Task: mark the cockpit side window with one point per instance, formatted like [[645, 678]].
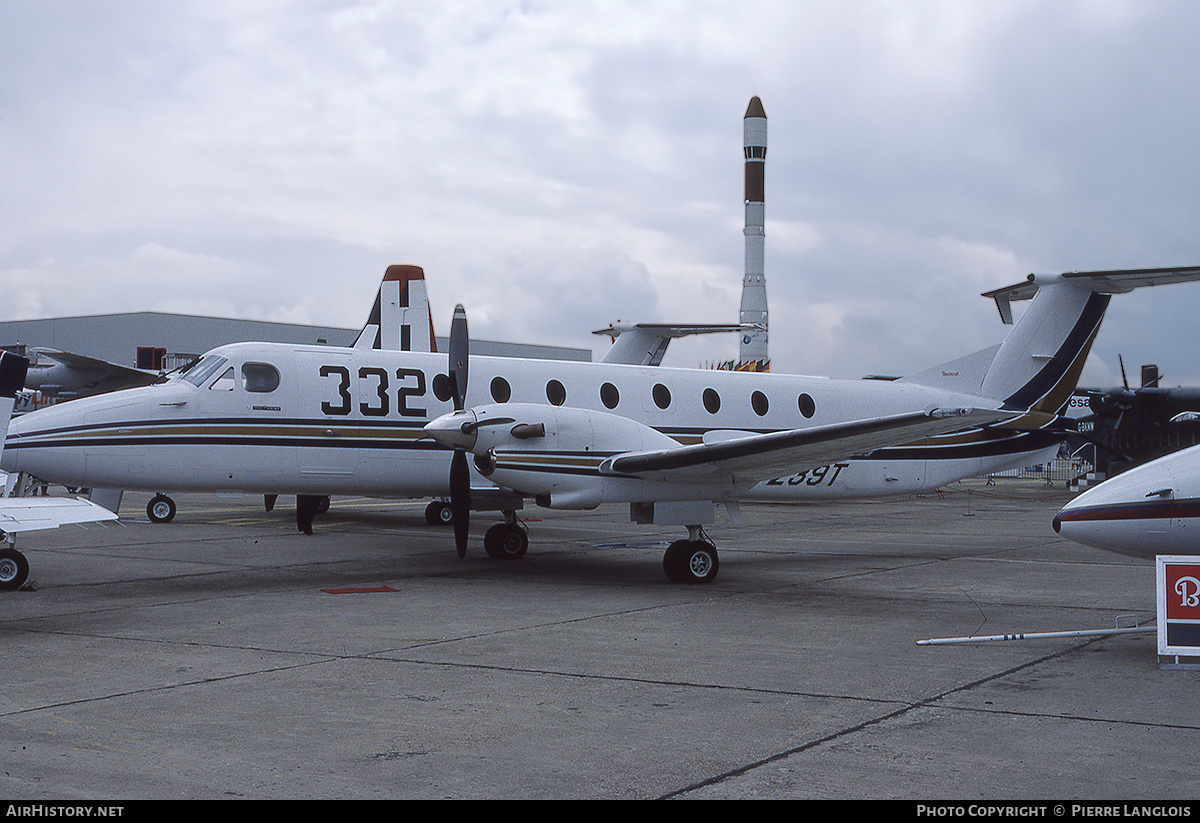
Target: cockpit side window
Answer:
[[259, 377], [224, 382], [203, 369]]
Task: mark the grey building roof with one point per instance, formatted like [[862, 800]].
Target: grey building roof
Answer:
[[117, 337]]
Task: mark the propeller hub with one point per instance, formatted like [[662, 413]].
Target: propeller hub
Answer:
[[456, 430]]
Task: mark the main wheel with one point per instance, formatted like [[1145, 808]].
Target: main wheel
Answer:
[[506, 541], [691, 561], [439, 513], [14, 569], [160, 509]]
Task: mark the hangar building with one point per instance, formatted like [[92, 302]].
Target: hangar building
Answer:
[[155, 340]]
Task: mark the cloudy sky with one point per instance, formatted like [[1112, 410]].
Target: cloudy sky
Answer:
[[555, 166]]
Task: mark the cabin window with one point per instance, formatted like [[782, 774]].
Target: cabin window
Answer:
[[260, 377], [501, 391], [609, 395], [224, 382], [662, 395], [203, 369], [443, 388], [712, 401], [556, 393], [807, 407], [758, 402]]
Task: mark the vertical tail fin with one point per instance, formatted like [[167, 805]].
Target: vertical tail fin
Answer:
[[401, 319], [1039, 362]]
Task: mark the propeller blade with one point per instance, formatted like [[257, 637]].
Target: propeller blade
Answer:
[[460, 472], [460, 500], [460, 350]]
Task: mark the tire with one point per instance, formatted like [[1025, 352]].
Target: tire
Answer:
[[438, 513], [14, 569], [506, 542], [160, 509], [691, 561]]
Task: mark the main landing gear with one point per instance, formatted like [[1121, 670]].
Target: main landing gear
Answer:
[[693, 560], [14, 568]]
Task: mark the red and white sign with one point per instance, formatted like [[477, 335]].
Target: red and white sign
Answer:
[[1178, 594]]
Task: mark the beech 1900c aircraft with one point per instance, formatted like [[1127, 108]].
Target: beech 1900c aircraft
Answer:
[[316, 420]]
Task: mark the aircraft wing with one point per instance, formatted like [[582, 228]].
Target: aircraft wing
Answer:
[[94, 376], [21, 514], [763, 456]]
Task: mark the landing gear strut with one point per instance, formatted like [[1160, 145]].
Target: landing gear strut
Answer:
[[307, 507], [693, 560]]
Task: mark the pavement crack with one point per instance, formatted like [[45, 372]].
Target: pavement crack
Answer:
[[866, 724]]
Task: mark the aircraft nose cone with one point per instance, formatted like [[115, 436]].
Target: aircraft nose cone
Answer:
[[455, 430], [1057, 524]]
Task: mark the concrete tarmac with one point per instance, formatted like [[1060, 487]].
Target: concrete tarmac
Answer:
[[225, 655]]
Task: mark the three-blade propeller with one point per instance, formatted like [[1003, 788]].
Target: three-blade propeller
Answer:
[[460, 472]]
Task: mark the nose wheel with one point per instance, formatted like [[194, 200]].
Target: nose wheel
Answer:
[[160, 509], [439, 513]]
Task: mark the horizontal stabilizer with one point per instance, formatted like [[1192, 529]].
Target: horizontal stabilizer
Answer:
[[644, 344], [1118, 281]]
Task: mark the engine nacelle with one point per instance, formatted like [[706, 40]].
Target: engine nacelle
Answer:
[[556, 453]]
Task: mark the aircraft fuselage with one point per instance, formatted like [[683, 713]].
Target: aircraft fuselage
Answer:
[[287, 419]]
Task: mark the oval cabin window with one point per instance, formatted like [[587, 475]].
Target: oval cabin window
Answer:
[[609, 396], [662, 395], [501, 391], [758, 402], [807, 407]]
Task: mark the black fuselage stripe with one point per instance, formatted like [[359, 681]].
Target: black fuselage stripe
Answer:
[[1185, 508]]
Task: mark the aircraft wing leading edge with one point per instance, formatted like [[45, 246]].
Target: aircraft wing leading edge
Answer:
[[764, 456]]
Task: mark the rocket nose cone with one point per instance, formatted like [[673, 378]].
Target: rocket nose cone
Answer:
[[756, 108]]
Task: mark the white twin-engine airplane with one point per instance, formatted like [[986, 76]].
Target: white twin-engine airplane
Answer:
[[316, 420]]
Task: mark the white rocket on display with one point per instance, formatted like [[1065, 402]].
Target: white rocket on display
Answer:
[[752, 353]]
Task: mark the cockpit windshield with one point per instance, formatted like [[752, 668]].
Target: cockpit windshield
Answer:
[[203, 369]]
